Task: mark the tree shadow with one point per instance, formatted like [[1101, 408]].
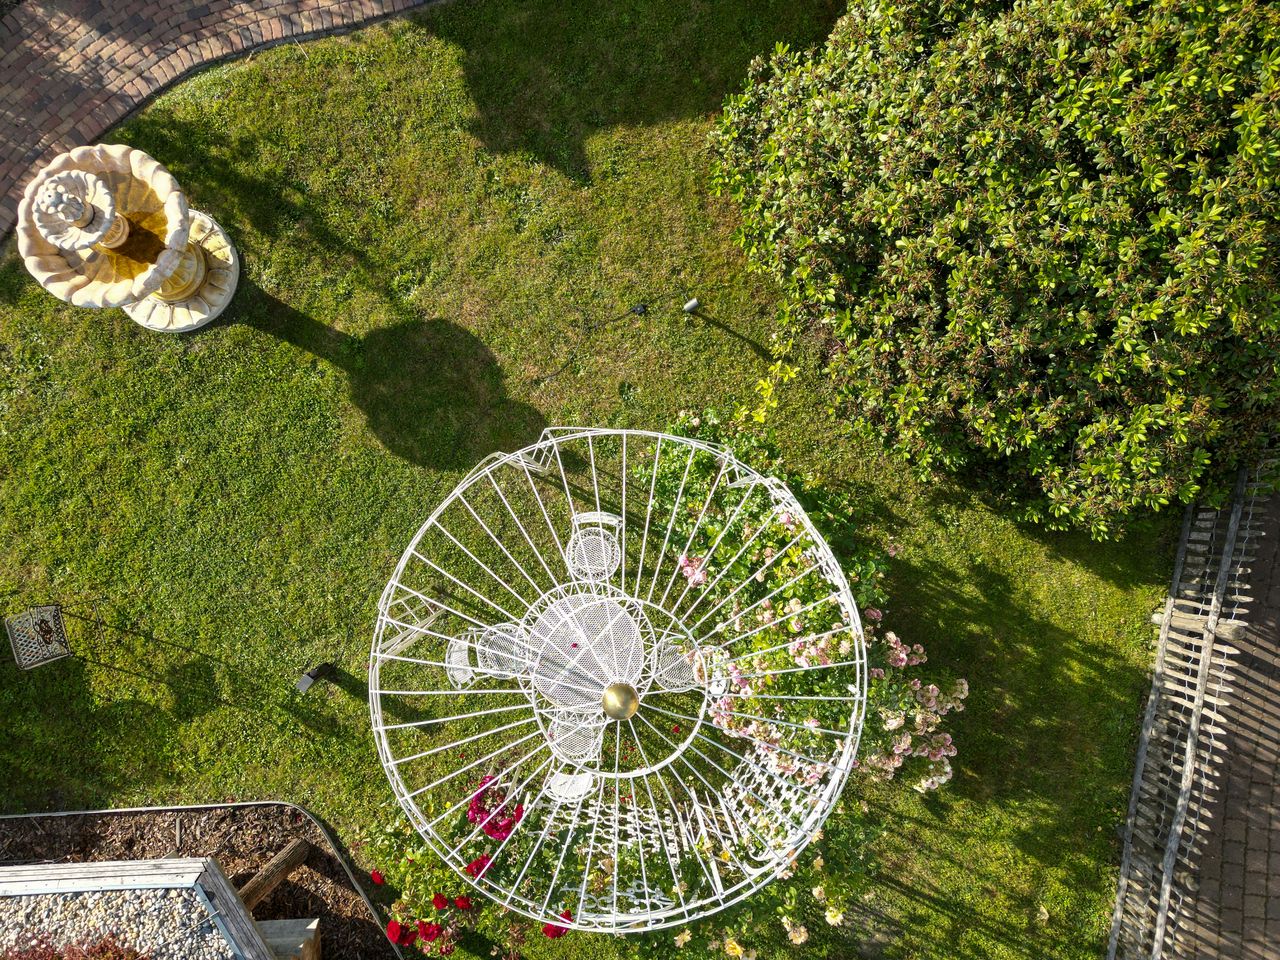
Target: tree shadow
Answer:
[[1039, 691], [61, 749], [546, 75], [431, 391]]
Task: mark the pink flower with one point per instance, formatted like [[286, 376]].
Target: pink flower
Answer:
[[691, 567], [377, 878], [874, 615]]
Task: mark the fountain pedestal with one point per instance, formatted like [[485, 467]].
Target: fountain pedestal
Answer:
[[107, 226]]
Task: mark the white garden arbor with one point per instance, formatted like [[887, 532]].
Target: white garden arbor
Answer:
[[596, 691]]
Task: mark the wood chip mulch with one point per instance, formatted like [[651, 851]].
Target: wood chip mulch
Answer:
[[241, 839]]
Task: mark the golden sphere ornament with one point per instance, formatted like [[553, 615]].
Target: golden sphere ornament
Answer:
[[620, 701]]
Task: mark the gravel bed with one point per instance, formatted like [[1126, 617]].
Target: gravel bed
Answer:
[[241, 839], [166, 924]]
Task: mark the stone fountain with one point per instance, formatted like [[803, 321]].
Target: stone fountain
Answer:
[[108, 226]]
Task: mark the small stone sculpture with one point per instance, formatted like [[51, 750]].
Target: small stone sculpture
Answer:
[[108, 226]]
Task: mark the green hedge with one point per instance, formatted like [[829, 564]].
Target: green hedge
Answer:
[[1041, 236]]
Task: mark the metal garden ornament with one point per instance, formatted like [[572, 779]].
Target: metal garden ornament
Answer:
[[594, 692]]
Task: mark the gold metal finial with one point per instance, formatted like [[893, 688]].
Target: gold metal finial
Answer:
[[620, 701]]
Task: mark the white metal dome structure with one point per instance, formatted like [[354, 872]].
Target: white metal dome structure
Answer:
[[596, 691]]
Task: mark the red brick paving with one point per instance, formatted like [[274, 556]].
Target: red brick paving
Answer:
[[71, 69], [1236, 908]]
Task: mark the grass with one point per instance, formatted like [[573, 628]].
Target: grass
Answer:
[[443, 222]]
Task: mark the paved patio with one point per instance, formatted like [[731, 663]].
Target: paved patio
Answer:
[[71, 69], [1236, 910]]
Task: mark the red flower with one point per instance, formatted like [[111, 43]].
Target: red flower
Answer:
[[428, 931], [478, 866], [554, 930], [377, 877], [440, 901], [462, 903], [400, 934]]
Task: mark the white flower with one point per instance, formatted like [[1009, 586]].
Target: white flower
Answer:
[[683, 937], [798, 934], [834, 916], [819, 894]]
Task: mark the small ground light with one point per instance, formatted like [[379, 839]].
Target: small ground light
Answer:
[[692, 306], [321, 671]]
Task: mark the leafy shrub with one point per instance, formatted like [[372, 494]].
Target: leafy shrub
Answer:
[[1043, 234]]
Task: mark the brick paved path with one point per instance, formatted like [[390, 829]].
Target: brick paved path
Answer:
[[1236, 911], [70, 69]]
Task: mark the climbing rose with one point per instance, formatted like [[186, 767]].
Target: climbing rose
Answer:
[[462, 903], [440, 901], [428, 931], [377, 878], [394, 931], [479, 865], [554, 930]]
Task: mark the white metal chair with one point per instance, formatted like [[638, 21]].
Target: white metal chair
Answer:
[[458, 665], [501, 650], [672, 669], [594, 550], [576, 737]]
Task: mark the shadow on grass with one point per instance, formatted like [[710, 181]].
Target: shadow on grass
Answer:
[[431, 391], [547, 75], [100, 723], [994, 488], [62, 752], [1049, 717]]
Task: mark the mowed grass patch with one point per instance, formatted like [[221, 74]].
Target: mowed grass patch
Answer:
[[444, 222]]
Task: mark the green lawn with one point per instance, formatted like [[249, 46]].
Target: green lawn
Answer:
[[442, 222]]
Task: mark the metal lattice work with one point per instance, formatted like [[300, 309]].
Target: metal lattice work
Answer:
[[618, 679], [38, 636]]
